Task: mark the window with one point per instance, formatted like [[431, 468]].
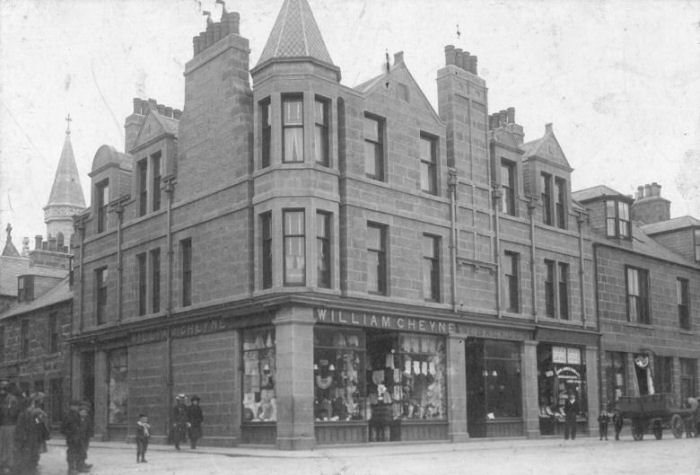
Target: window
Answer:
[[25, 288], [294, 248], [2, 343], [143, 186], [259, 375], [663, 374], [155, 171], [141, 282], [118, 386], [683, 303], [508, 187], [155, 280], [101, 294], [266, 125], [560, 203], [428, 164], [293, 129], [638, 296], [321, 145], [549, 288], [266, 233], [24, 338], [617, 218], [323, 248], [689, 373], [546, 190], [56, 400], [101, 200], [563, 291], [696, 235], [431, 268], [53, 332], [376, 259], [374, 147], [186, 250], [616, 375], [510, 267]]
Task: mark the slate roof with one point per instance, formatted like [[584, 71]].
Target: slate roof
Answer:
[[60, 293], [645, 244], [671, 225], [295, 35], [594, 192], [66, 189], [10, 269]]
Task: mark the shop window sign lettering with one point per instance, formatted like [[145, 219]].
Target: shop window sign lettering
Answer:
[[386, 322], [559, 354]]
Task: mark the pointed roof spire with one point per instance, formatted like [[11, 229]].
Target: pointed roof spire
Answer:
[[295, 35], [66, 188], [10, 249]]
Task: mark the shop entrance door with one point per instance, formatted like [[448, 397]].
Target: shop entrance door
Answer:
[[88, 377], [381, 362]]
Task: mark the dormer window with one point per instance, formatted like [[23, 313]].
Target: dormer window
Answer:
[[617, 219], [25, 288]]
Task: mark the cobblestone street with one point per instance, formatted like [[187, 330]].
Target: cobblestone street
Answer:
[[585, 456]]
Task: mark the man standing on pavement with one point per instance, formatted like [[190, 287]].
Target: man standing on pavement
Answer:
[[571, 410], [180, 423], [195, 419], [76, 428], [9, 411]]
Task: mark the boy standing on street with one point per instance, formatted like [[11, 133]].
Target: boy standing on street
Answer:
[[143, 433], [603, 421]]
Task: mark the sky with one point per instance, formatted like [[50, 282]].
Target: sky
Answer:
[[619, 79]]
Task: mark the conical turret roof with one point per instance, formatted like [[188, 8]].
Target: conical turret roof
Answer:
[[66, 188], [295, 35]]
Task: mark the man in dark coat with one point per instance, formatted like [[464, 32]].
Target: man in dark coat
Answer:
[[618, 421], [179, 420], [195, 419], [9, 412], [571, 410], [76, 428]]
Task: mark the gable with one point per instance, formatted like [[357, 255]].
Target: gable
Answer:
[[401, 86], [151, 129], [548, 149]]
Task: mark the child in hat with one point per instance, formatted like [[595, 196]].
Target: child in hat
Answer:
[[143, 433]]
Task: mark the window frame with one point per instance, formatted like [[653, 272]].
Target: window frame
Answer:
[[549, 288], [322, 131], [617, 221], [508, 189], [142, 184], [323, 250], [101, 202], [560, 205], [141, 284], [379, 151], [563, 290], [266, 249], [154, 255], [643, 305], [101, 296], [688, 377], [186, 270], [431, 267], [546, 198], [288, 237], [381, 259], [53, 332], [292, 98], [428, 165], [512, 281], [156, 177], [683, 301], [266, 132]]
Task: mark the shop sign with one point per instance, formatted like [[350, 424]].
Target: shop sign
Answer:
[[180, 331], [386, 322], [152, 336], [567, 372], [558, 354]]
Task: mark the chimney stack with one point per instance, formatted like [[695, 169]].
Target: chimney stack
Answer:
[[650, 207]]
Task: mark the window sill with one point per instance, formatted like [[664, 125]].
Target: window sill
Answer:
[[647, 326]]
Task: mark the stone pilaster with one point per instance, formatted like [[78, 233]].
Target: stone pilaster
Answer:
[[528, 376], [295, 385], [101, 409], [456, 389], [592, 383]]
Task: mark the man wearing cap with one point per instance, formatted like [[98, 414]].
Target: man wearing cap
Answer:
[[195, 419], [76, 428], [9, 412], [180, 423], [29, 436]]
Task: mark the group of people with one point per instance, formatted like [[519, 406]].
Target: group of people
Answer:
[[23, 429], [187, 421]]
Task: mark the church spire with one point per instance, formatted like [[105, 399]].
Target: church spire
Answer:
[[66, 198], [10, 249], [296, 36]]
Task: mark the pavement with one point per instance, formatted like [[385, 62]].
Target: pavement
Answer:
[[584, 456]]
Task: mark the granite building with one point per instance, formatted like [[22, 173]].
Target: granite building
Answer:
[[325, 264]]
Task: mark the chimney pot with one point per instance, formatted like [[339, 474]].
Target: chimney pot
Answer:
[[473, 64], [177, 113], [511, 115], [234, 19], [161, 109], [137, 105], [195, 45], [459, 58], [37, 241], [502, 118], [548, 128], [152, 104], [640, 192], [168, 111], [398, 57], [450, 55]]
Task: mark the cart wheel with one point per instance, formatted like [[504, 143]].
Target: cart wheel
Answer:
[[658, 430], [677, 426], [637, 429]]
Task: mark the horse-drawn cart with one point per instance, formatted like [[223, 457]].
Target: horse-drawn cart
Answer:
[[654, 412]]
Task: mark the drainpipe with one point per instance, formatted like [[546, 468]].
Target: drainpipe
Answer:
[[581, 263], [533, 262], [452, 184], [169, 188], [497, 246], [81, 230], [119, 210]]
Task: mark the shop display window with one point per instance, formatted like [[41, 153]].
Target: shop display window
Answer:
[[259, 400], [616, 375], [560, 370], [339, 359], [406, 372], [118, 386]]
